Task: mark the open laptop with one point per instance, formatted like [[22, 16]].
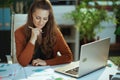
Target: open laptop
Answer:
[[93, 56]]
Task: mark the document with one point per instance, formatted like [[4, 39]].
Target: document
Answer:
[[44, 73], [30, 71], [8, 70], [17, 72]]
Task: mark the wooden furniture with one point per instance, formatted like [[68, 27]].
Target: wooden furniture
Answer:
[[71, 36], [114, 49]]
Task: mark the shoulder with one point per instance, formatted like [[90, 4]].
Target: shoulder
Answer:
[[20, 31], [58, 32]]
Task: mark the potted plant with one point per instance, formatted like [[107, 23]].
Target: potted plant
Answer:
[[116, 61], [87, 21], [117, 31]]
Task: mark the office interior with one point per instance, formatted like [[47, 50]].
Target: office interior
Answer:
[[8, 8]]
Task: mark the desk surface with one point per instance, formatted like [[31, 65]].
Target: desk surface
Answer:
[[49, 74]]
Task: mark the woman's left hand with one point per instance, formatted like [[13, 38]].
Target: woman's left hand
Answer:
[[39, 62]]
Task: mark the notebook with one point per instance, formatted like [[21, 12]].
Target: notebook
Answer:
[[93, 56]]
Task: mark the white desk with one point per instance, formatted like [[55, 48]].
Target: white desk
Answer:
[[102, 74]]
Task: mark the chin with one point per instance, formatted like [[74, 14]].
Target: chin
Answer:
[[38, 27]]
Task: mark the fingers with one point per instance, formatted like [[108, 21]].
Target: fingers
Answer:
[[41, 31], [35, 28], [38, 62], [34, 62], [30, 27]]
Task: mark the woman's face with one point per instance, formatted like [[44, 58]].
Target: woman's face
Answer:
[[40, 18]]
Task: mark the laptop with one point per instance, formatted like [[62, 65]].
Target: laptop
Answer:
[[93, 56]]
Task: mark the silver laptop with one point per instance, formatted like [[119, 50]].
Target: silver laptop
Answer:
[[93, 56]]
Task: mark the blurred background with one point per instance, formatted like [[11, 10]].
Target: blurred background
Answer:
[[80, 21]]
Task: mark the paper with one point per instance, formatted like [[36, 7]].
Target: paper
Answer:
[[10, 71], [7, 70], [44, 73], [31, 70]]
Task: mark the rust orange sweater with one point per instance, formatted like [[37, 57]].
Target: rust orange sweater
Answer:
[[25, 51]]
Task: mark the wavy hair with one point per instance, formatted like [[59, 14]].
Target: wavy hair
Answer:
[[48, 37]]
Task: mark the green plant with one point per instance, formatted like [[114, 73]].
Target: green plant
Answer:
[[87, 20], [115, 60], [117, 12], [117, 31]]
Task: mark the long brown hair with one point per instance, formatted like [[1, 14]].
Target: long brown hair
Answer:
[[48, 36]]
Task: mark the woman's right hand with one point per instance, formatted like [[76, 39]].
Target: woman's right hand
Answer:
[[34, 34]]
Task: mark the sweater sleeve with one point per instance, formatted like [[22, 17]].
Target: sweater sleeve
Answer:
[[24, 51], [62, 47]]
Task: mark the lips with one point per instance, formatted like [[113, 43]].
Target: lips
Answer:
[[40, 26]]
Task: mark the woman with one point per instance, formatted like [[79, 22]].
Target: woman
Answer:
[[39, 40]]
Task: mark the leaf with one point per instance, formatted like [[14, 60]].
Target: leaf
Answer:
[[117, 31]]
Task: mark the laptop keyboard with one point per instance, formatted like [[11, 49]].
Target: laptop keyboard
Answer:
[[73, 71]]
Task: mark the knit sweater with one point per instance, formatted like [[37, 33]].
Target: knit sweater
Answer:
[[25, 51]]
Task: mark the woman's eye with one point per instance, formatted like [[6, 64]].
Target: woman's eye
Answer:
[[45, 19], [37, 17]]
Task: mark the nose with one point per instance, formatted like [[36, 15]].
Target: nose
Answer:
[[41, 21]]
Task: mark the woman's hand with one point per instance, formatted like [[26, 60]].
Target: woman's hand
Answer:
[[39, 62], [34, 34]]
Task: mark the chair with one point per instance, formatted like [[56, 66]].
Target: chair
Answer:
[[17, 21]]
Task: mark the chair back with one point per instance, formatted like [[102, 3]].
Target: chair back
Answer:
[[17, 21]]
